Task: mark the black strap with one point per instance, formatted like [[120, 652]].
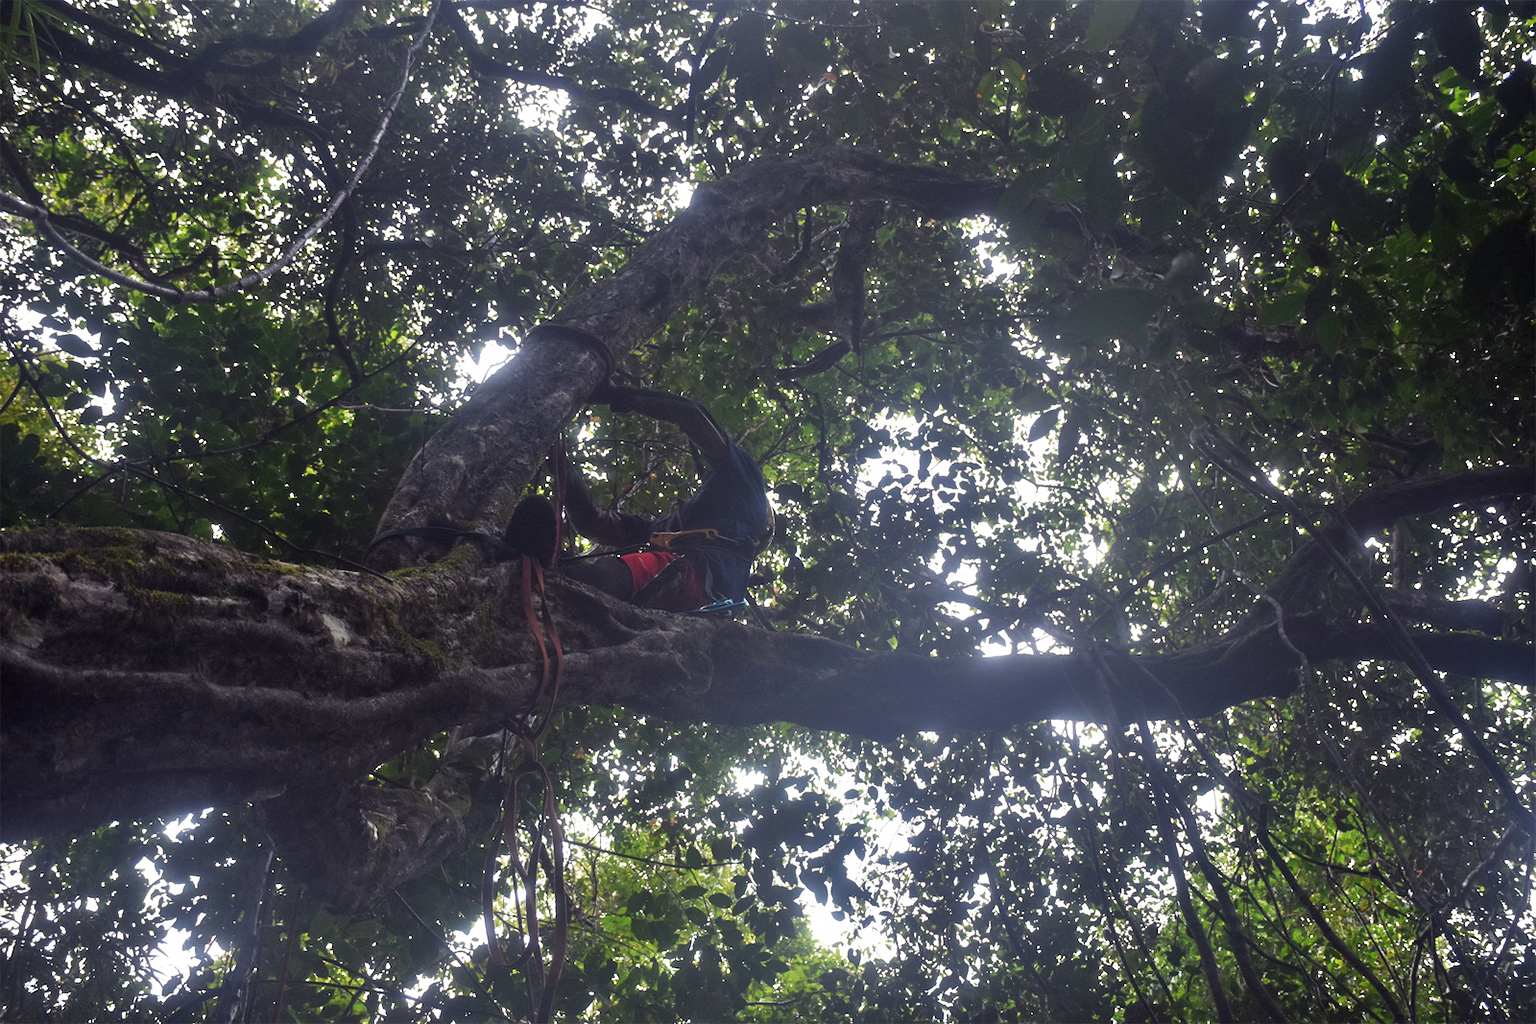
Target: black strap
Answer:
[[565, 332]]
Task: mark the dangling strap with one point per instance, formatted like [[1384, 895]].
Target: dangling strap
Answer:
[[551, 852], [542, 627], [683, 538], [557, 477]]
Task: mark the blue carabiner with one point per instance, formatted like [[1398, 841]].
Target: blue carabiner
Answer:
[[718, 608]]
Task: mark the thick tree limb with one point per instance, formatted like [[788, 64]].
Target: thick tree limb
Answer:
[[1236, 463], [1381, 507], [818, 363], [353, 844], [1459, 653], [66, 48], [33, 196], [472, 473], [42, 218], [149, 674], [1479, 616]]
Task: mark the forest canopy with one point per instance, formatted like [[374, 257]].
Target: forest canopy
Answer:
[[1145, 396]]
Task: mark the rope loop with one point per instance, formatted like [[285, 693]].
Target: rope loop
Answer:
[[575, 335]]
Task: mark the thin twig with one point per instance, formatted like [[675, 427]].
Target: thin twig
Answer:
[[469, 970], [673, 865], [234, 992]]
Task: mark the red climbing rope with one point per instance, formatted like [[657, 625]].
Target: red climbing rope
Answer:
[[546, 846]]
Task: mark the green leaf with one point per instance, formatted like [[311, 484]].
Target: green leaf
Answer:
[[1105, 194], [997, 84], [1387, 70], [1287, 309], [986, 89], [1059, 92], [803, 49], [1328, 329], [1112, 313], [1044, 424], [1023, 211], [1319, 298], [1107, 22], [75, 345], [1028, 398], [1454, 26], [1419, 204]]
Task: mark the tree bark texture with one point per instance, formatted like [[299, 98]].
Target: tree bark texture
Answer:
[[151, 674]]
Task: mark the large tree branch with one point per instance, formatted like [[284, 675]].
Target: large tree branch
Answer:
[[1378, 509], [1479, 616], [148, 674], [1458, 653], [67, 49], [12, 159], [471, 473]]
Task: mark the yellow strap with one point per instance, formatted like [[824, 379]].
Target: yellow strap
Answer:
[[664, 541]]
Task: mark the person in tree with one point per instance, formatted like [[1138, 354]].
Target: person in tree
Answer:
[[698, 554]]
